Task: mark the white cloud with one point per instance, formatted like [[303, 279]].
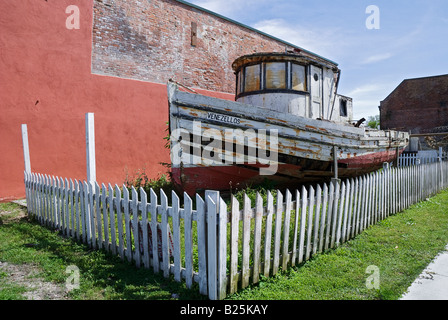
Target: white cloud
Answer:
[[377, 58], [365, 108], [319, 41], [365, 90], [329, 42], [367, 98]]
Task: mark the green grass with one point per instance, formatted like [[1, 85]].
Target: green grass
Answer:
[[400, 246]]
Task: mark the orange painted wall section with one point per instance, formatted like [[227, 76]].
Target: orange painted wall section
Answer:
[[46, 83]]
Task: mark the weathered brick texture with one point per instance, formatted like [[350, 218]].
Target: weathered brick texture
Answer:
[[417, 105], [151, 40]]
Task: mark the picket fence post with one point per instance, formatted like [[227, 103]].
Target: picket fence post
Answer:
[[212, 201], [202, 244], [26, 149], [268, 233], [90, 147], [257, 236], [222, 250], [188, 212]]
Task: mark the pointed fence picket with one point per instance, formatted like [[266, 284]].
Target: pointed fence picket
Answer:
[[224, 250]]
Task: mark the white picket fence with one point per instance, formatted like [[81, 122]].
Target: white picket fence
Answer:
[[225, 252], [421, 157]]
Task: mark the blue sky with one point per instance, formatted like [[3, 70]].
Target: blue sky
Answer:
[[411, 42]]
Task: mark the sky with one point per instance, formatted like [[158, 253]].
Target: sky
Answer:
[[376, 50]]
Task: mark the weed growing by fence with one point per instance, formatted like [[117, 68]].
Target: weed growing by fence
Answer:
[[140, 179]]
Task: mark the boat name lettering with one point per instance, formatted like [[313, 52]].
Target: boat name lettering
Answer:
[[223, 118]]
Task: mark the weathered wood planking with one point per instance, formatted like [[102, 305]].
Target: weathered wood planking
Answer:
[[203, 103], [299, 136]]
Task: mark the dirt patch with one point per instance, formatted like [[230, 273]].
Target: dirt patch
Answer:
[[25, 276], [13, 214]]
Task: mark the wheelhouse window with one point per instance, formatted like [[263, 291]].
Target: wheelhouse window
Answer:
[[275, 75], [298, 76], [252, 78], [239, 83], [272, 76]]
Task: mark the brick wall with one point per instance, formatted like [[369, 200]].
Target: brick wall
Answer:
[[417, 105], [151, 40]]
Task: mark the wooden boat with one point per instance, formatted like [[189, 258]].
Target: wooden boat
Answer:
[[287, 127]]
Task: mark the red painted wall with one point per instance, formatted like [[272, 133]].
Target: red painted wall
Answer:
[[46, 83]]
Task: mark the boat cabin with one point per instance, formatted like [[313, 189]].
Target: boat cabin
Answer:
[[292, 83]]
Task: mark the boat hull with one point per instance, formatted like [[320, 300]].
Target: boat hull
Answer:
[[227, 178], [297, 150]]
